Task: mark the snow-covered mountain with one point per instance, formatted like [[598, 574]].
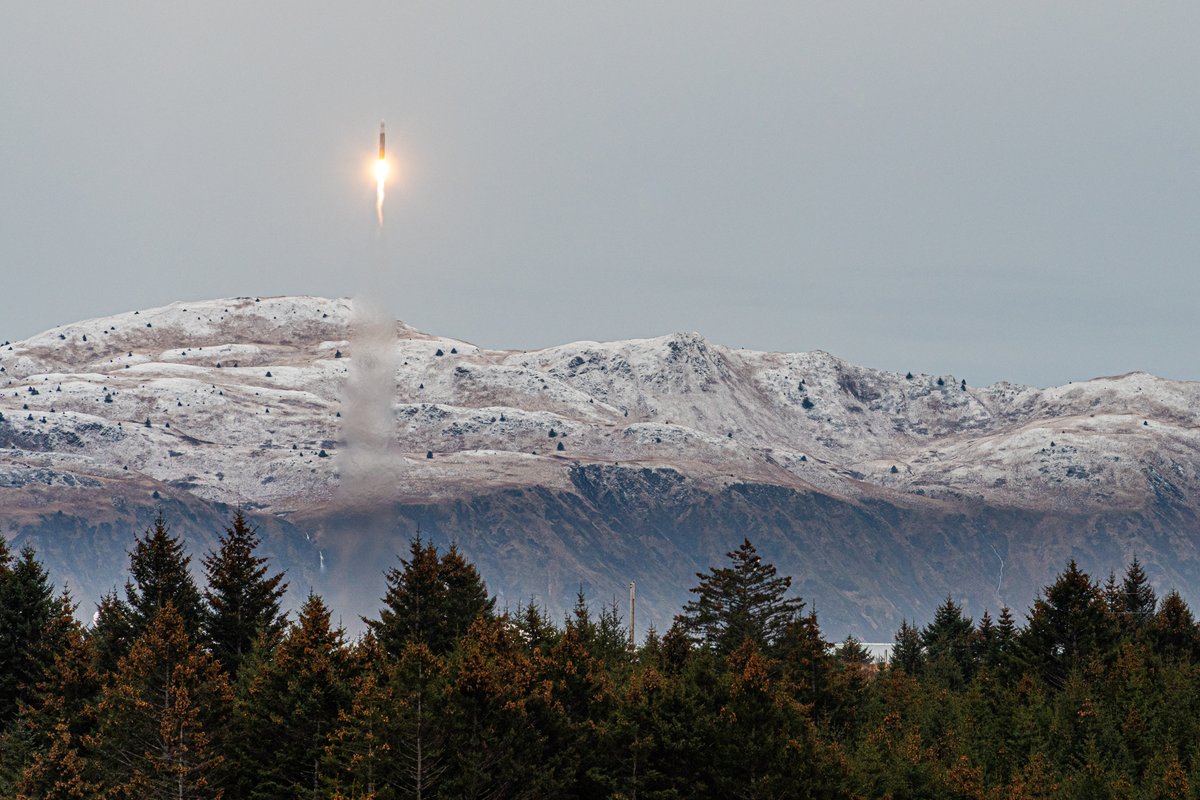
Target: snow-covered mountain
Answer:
[[588, 464]]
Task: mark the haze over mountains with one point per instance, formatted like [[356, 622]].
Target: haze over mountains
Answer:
[[589, 464]]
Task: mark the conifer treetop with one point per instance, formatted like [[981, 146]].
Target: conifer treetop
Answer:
[[744, 600], [159, 574], [243, 598], [430, 599]]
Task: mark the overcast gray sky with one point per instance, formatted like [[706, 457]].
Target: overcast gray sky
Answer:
[[994, 190]]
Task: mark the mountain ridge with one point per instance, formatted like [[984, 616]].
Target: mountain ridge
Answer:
[[243, 402]]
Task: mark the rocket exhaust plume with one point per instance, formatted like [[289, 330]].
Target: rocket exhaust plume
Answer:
[[370, 460], [381, 169], [369, 425], [370, 465]]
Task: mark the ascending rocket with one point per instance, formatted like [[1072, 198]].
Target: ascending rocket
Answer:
[[381, 170]]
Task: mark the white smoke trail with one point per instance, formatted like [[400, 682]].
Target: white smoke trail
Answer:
[[369, 460], [368, 427], [369, 464]]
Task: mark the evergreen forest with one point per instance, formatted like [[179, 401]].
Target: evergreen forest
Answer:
[[184, 690]]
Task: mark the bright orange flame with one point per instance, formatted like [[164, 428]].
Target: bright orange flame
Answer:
[[381, 171]]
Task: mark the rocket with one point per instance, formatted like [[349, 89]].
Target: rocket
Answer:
[[381, 171]]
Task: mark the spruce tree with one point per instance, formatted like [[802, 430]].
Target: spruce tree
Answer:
[[419, 716], [26, 610], [650, 651], [1006, 630], [158, 567], [466, 593], [744, 601], [855, 667], [536, 629], [947, 641], [1112, 594], [1173, 632], [430, 600], [413, 602], [41, 754], [851, 653], [611, 645], [160, 720], [688, 720], [767, 745], [391, 742], [580, 708], [676, 647], [359, 758], [58, 773], [634, 738], [984, 650], [112, 633], [579, 621], [501, 717], [1067, 626], [1138, 601], [287, 708], [242, 597], [907, 651], [807, 661]]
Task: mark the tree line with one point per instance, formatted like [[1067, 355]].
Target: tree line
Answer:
[[186, 692]]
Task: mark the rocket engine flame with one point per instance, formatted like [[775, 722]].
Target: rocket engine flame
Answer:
[[381, 171]]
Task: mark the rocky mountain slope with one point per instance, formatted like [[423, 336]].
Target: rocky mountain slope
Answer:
[[588, 464]]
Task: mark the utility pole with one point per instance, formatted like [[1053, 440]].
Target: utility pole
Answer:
[[632, 609]]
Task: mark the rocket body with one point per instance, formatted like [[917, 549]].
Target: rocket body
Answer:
[[381, 154]]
